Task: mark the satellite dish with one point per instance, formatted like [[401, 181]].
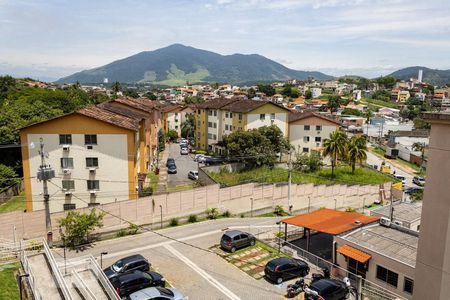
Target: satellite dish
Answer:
[[32, 145]]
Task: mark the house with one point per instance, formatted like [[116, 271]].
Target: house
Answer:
[[356, 95], [220, 117], [308, 130], [347, 121], [316, 92], [97, 156], [403, 96]]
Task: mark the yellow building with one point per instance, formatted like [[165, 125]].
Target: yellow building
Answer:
[[217, 118], [97, 155]]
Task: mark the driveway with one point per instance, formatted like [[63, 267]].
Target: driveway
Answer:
[[185, 163]]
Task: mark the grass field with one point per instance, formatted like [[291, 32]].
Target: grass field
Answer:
[[8, 284], [343, 175], [380, 103], [15, 203]]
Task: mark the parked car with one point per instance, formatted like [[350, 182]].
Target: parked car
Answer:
[[210, 160], [193, 175], [234, 239], [412, 190], [284, 268], [172, 169], [420, 181], [330, 289], [400, 178], [127, 264], [128, 283], [199, 157], [184, 151], [169, 161], [159, 293]]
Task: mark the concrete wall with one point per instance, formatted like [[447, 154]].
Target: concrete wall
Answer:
[[236, 199]]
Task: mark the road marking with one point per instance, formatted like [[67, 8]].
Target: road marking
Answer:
[[202, 273]]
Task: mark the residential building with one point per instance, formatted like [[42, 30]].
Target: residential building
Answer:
[[403, 96], [308, 130], [175, 116], [356, 95], [97, 156], [220, 117], [406, 214], [316, 92]]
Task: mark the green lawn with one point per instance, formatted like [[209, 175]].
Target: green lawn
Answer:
[[380, 102], [15, 203], [182, 187], [343, 175], [8, 284]]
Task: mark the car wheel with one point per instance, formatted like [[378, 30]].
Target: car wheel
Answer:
[[233, 249], [279, 280], [252, 243]]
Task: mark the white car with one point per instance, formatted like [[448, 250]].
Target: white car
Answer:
[[199, 157], [193, 175], [157, 293]]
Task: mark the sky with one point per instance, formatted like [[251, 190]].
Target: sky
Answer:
[[49, 39]]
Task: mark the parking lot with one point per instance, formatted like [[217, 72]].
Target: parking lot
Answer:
[[184, 163]]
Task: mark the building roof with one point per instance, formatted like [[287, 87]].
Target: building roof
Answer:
[[295, 116], [330, 221], [122, 110], [216, 104], [354, 253], [393, 243], [109, 117], [408, 212], [139, 103], [245, 106]]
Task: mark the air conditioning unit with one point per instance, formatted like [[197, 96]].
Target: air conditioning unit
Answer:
[[93, 193], [68, 193], [318, 131], [399, 223], [66, 171], [89, 147], [66, 147], [385, 221], [92, 170], [317, 144]]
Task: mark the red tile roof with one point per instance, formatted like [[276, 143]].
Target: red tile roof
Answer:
[[295, 116], [109, 117], [354, 253], [139, 103]]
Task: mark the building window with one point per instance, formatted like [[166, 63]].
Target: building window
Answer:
[[240, 116], [68, 185], [272, 116], [90, 139], [387, 276], [214, 137], [93, 185], [226, 126], [231, 114], [91, 162], [215, 113], [67, 163], [198, 123], [210, 136], [215, 125], [318, 139], [210, 124], [69, 206], [318, 127], [226, 114], [176, 127], [306, 127], [306, 139], [65, 139], [209, 112], [305, 150], [408, 285], [262, 117]]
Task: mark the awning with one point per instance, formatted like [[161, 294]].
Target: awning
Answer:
[[354, 253]]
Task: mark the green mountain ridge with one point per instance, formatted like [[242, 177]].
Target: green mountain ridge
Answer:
[[432, 76], [176, 64]]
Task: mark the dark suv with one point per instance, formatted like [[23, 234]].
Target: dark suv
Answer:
[[128, 283], [284, 268], [127, 264], [330, 289], [235, 239]]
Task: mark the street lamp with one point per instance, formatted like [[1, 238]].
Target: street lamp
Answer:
[[101, 258], [160, 209], [20, 283], [251, 207]]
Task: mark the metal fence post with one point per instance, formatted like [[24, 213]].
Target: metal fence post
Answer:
[[359, 288]]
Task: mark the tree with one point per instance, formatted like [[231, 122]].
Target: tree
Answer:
[[251, 93], [150, 96], [188, 127], [76, 226], [335, 147], [356, 150], [161, 140], [193, 99], [308, 94], [276, 138], [172, 135], [131, 93], [8, 177], [266, 89], [334, 102], [308, 162], [116, 87], [419, 146], [419, 123], [387, 81]]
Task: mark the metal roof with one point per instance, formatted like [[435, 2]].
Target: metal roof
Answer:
[[354, 253]]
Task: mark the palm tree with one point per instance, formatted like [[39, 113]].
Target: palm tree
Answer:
[[335, 147], [356, 150], [418, 146]]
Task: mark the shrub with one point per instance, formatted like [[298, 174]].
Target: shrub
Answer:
[[192, 219], [147, 191], [133, 229], [212, 213], [279, 210], [226, 214], [200, 152], [242, 216], [350, 209], [174, 222], [122, 232]]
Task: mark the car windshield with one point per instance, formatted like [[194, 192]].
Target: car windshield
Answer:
[[271, 266], [165, 292], [117, 266]]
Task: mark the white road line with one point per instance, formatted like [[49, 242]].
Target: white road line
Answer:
[[202, 273]]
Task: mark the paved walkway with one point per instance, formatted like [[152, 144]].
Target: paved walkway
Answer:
[[162, 183], [94, 285], [45, 282]]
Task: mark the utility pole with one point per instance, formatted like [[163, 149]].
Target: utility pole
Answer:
[[289, 179], [46, 173]]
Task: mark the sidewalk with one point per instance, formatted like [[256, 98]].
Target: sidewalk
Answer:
[[162, 183]]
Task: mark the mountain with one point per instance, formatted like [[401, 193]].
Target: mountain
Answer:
[[176, 64], [432, 76]]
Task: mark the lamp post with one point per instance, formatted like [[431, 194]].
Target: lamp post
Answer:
[[20, 283], [251, 207], [160, 209], [101, 258]]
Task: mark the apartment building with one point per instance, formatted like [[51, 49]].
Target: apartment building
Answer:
[[308, 130], [175, 116], [220, 117]]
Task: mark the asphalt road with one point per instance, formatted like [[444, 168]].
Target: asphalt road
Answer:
[[184, 163], [372, 159]]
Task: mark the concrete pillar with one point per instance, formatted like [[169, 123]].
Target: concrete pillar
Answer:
[[432, 275]]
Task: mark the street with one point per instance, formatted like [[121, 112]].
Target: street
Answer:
[[372, 159], [184, 164]]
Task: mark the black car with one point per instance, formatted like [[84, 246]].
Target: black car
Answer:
[[213, 160], [172, 169], [127, 264], [130, 282], [169, 161], [235, 239], [412, 190], [284, 268], [330, 289]]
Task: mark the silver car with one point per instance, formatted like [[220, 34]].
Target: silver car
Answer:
[[157, 293]]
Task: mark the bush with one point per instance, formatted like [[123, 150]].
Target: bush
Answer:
[[192, 219], [174, 222], [350, 209], [147, 191], [133, 229], [200, 152], [212, 213], [279, 210], [226, 214], [122, 232]]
